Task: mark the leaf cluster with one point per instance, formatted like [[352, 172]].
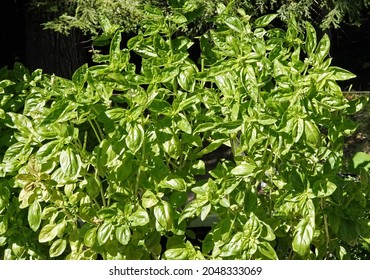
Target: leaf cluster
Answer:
[[112, 163]]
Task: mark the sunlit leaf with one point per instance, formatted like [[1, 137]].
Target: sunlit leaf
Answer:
[[34, 215], [135, 137], [139, 218], [173, 182], [303, 236], [123, 234], [48, 233], [104, 233], [57, 248], [264, 20]]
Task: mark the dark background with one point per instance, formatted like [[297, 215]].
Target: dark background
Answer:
[[23, 39]]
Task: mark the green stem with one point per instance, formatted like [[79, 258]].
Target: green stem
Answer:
[[142, 162], [102, 198], [85, 141], [99, 129], [95, 132], [323, 205]]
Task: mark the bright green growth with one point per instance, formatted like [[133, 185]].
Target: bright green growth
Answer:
[[102, 164]]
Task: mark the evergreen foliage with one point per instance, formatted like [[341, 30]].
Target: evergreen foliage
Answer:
[[92, 16]]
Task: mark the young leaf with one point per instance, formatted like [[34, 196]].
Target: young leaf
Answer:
[[234, 23], [192, 208], [361, 160], [205, 211], [311, 39], [34, 215], [93, 186], [116, 114], [176, 254], [323, 48], [80, 76], [264, 20]]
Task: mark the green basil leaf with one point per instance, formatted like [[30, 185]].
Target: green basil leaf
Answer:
[[57, 248], [303, 236], [149, 199], [264, 20], [107, 214], [173, 182], [123, 234], [34, 215], [48, 233], [104, 233], [192, 208], [118, 58], [186, 77], [243, 169], [312, 134], [90, 237], [311, 39], [135, 138], [49, 150], [340, 74], [234, 23], [203, 127], [80, 76], [152, 242], [323, 188], [267, 250], [93, 186], [70, 164], [4, 223], [323, 48], [164, 217], [139, 218], [348, 232], [116, 114], [184, 125], [176, 254], [234, 246]]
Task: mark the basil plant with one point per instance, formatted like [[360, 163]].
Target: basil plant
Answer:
[[240, 132]]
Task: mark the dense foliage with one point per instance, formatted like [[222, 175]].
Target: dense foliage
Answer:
[[112, 163], [90, 16]]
